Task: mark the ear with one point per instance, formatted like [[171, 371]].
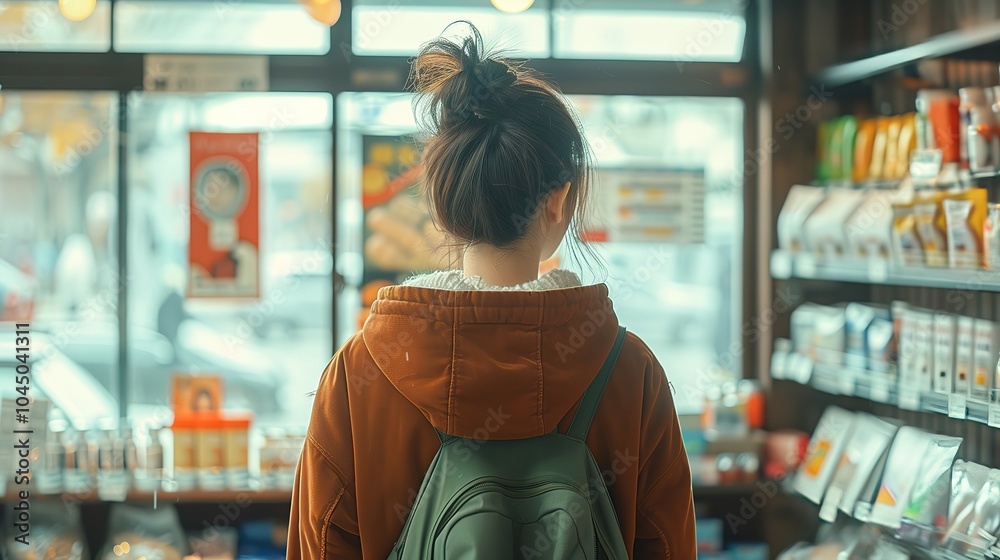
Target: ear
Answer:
[[555, 204]]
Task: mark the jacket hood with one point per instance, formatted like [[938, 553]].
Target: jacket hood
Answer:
[[490, 364]]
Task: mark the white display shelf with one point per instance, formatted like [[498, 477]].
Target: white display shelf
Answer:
[[785, 265], [860, 383]]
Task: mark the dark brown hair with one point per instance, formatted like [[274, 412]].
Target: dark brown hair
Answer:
[[500, 139]]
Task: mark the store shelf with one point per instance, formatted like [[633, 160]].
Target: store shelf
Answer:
[[856, 382], [966, 43], [785, 266], [186, 496]]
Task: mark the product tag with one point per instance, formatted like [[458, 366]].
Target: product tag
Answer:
[[805, 265], [909, 399], [846, 383], [781, 264], [925, 164], [878, 270], [880, 390], [956, 406], [993, 416]]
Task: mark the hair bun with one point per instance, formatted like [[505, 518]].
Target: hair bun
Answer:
[[463, 81]]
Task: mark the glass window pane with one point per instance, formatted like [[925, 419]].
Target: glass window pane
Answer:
[[224, 26], [269, 351], [684, 299], [391, 28], [593, 31], [31, 25], [58, 244]]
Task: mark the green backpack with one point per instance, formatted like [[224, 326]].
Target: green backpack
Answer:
[[538, 498]]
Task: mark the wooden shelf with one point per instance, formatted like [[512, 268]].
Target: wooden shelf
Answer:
[[185, 496], [966, 43]]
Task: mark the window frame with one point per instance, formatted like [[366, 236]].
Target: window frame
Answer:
[[341, 71]]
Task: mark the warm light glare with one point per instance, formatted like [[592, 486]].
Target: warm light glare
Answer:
[[324, 11], [77, 10], [512, 6]]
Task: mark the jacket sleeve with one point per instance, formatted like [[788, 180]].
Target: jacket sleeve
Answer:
[[323, 522], [665, 527]]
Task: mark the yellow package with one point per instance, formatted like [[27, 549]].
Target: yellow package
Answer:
[[906, 246], [891, 162], [906, 144], [927, 217], [876, 170], [963, 217], [864, 140]]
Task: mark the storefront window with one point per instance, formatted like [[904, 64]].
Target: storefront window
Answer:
[[222, 26], [389, 28], [30, 25], [678, 287], [708, 31], [58, 244], [270, 349]]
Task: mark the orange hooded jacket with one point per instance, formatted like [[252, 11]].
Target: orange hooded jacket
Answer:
[[483, 365]]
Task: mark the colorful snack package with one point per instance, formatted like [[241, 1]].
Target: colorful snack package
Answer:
[[907, 249], [926, 513], [907, 143], [876, 170], [964, 216], [892, 161], [991, 237], [825, 447], [926, 212], [869, 228], [824, 230], [864, 143], [964, 346], [900, 474], [984, 353], [944, 353], [870, 438], [967, 483], [799, 204]]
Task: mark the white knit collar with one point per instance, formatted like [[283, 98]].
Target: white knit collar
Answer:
[[456, 280]]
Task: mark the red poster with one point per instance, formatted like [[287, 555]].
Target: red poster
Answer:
[[224, 249]]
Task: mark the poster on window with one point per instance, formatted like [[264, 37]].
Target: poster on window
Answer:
[[224, 249], [399, 236], [664, 205]]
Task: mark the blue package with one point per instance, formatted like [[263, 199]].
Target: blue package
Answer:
[[748, 551], [709, 535]]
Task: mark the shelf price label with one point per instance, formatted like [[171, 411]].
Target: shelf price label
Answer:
[[909, 399], [956, 406], [993, 415], [878, 270], [846, 383], [805, 265], [880, 390]]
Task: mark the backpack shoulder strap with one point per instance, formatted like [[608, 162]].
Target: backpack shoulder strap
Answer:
[[588, 404]]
